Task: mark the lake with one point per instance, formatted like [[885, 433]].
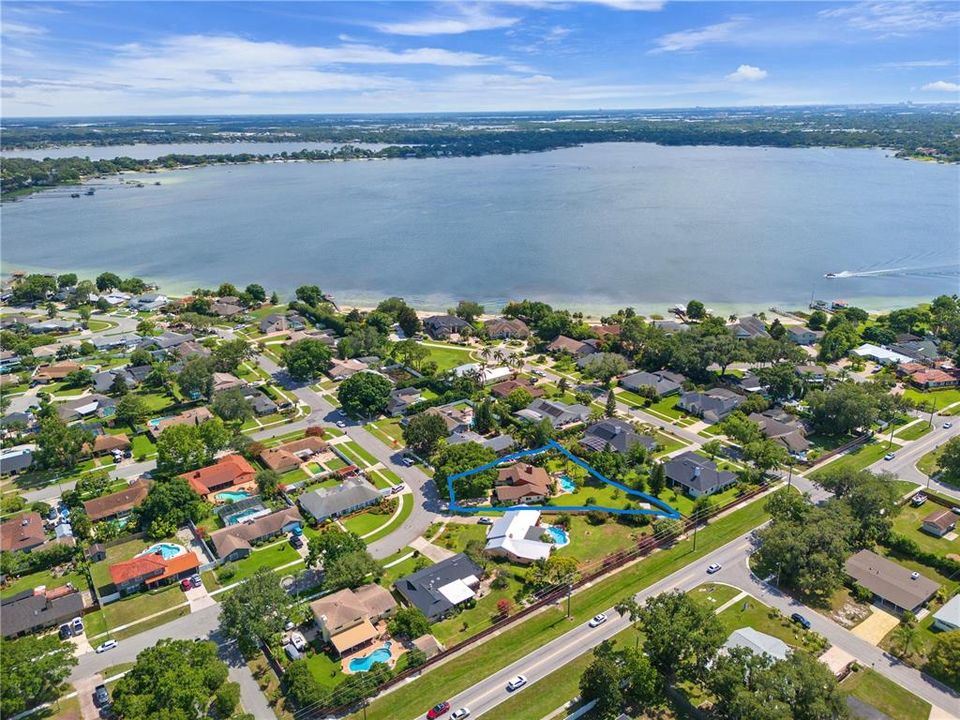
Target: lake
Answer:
[[595, 227]]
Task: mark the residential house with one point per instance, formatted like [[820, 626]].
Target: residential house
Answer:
[[232, 472], [167, 340], [920, 349], [892, 584], [664, 382], [438, 589], [116, 298], [748, 328], [93, 405], [559, 414], [96, 553], [14, 461], [119, 504], [670, 326], [152, 571], [749, 383], [814, 374], [518, 536], [56, 372], [103, 381], [803, 335], [401, 399], [711, 405], [577, 348], [507, 328], [9, 361], [347, 619], [15, 423], [756, 642], [457, 419], [226, 309], [605, 331], [351, 495], [940, 522], [522, 484], [500, 444], [697, 475], [275, 323], [342, 369], [784, 429], [54, 326], [930, 378], [616, 435], [236, 541], [188, 349], [22, 533], [947, 618], [502, 389], [148, 302], [193, 416], [33, 610], [125, 342], [225, 381], [262, 405], [484, 375], [104, 444], [441, 327], [291, 455], [461, 438], [882, 355]]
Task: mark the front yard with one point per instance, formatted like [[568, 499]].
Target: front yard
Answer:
[[885, 695], [859, 458], [270, 557], [909, 521], [750, 612]]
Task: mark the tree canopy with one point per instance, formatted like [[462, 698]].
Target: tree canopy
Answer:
[[364, 394]]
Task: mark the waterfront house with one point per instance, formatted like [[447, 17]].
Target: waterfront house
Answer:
[[438, 589], [22, 533], [522, 483], [663, 382], [232, 472], [892, 584], [152, 571], [226, 309], [605, 331], [563, 344], [940, 522], [236, 541], [506, 328], [880, 354], [441, 327], [711, 405], [803, 336], [518, 536], [348, 619], [118, 504], [148, 302], [559, 414], [615, 435], [351, 495], [697, 475], [749, 328]]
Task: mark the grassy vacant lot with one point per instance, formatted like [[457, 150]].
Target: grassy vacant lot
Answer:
[[269, 556], [589, 543], [909, 522], [447, 357], [913, 432], [387, 430], [859, 458], [885, 695], [512, 644]]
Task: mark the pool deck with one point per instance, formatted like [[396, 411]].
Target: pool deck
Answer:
[[396, 649]]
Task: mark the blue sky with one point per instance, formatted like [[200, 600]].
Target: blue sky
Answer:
[[131, 58]]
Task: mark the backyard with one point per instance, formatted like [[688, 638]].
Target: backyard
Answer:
[[270, 556], [908, 523], [447, 357]]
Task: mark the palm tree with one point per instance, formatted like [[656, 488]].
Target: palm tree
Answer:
[[904, 639]]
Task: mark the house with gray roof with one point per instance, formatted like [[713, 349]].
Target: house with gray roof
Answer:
[[441, 327], [664, 382], [401, 399], [126, 341], [28, 612], [803, 335], [947, 618], [616, 435], [438, 589], [711, 405], [54, 325], [559, 414], [103, 381], [784, 429], [891, 583], [148, 302], [749, 327], [351, 495], [756, 642], [168, 340], [697, 475], [15, 460]]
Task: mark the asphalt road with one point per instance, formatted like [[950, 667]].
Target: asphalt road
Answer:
[[904, 465]]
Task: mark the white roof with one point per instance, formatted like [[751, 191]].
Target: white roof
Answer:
[[491, 374], [457, 591], [759, 643], [949, 614], [880, 353], [509, 533], [87, 408]]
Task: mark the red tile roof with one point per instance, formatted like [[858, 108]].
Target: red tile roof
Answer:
[[174, 566], [231, 470], [138, 567]]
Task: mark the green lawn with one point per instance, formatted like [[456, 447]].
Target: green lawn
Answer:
[[938, 398], [448, 357], [669, 443], [908, 523], [929, 464], [334, 463], [99, 325], [859, 458], [364, 522], [913, 432], [885, 695], [134, 607], [46, 578], [514, 643], [750, 612], [713, 595], [271, 556], [390, 428], [142, 446], [295, 475], [394, 573], [359, 456], [406, 507], [379, 481], [904, 486], [155, 402], [589, 543], [100, 572], [325, 669]]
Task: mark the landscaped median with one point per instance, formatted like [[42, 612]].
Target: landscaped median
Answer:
[[513, 643]]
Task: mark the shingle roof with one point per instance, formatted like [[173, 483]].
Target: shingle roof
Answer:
[[118, 502], [242, 535], [889, 580], [26, 611], [422, 587], [22, 532], [327, 502], [232, 469]]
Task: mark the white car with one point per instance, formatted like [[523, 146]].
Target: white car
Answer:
[[518, 682], [459, 714], [341, 424], [947, 425], [712, 568], [108, 645], [889, 456], [298, 641], [597, 620]]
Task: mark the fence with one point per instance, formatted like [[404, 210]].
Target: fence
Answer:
[[608, 565], [856, 442]]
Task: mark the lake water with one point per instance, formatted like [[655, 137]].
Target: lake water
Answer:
[[595, 227]]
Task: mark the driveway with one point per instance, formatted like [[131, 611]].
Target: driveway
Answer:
[[876, 626], [199, 598], [84, 687]]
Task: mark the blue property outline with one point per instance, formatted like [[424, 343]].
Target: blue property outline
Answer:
[[664, 509]]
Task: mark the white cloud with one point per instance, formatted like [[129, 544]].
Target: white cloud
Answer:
[[8, 28], [625, 5], [467, 19], [749, 73], [942, 86], [688, 40], [919, 64], [895, 18]]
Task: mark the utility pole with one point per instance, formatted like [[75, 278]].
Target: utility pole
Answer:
[[569, 595], [933, 409]]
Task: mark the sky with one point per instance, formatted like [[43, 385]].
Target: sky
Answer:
[[168, 58]]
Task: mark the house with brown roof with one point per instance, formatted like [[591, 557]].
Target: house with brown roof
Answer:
[[54, 373], [502, 389], [193, 416], [505, 328], [237, 541], [118, 504], [347, 619], [929, 378], [940, 522], [152, 571], [564, 344], [891, 583], [522, 483], [225, 381], [342, 369], [604, 331], [291, 455], [103, 444], [22, 533], [232, 472], [456, 419]]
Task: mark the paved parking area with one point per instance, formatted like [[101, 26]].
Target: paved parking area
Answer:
[[81, 644]]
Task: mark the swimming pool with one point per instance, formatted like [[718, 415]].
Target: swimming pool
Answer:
[[166, 550], [559, 535], [246, 514], [567, 485], [155, 422], [363, 664], [232, 496]]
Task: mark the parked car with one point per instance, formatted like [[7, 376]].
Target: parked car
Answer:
[[712, 568], [438, 710], [196, 581], [100, 696], [65, 631], [597, 620], [298, 641], [296, 541], [801, 621], [408, 461], [108, 645], [341, 424], [518, 682], [297, 530], [289, 625], [76, 625], [395, 489], [485, 521], [185, 584], [460, 714], [947, 425]]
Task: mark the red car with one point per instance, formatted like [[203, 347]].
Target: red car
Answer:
[[185, 584], [438, 710]]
